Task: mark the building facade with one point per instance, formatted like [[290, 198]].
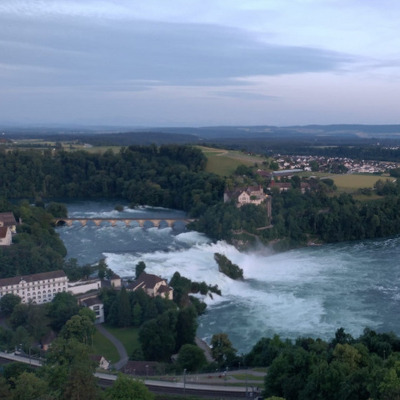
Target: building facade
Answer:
[[37, 288]]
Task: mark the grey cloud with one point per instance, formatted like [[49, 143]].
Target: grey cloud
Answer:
[[81, 52]]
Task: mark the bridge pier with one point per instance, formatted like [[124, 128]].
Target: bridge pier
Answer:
[[113, 221]]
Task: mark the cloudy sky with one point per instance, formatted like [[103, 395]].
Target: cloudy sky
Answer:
[[199, 62]]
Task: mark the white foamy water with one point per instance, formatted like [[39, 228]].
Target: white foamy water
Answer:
[[305, 292]]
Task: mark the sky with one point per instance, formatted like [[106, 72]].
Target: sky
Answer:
[[199, 62]]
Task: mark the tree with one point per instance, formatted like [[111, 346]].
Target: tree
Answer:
[[79, 327], [191, 357], [29, 387], [222, 349], [102, 269], [8, 302], [140, 267], [158, 336], [57, 210], [37, 321], [61, 309], [5, 392], [126, 388], [186, 326], [69, 370], [314, 166], [124, 309], [19, 315], [265, 351]]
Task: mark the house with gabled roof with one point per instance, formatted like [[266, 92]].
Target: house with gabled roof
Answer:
[[7, 219], [100, 361], [153, 285]]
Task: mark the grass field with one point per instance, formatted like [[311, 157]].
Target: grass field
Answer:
[[102, 346], [352, 182], [129, 337], [224, 162]]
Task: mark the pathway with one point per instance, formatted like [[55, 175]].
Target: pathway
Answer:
[[205, 347], [123, 355]]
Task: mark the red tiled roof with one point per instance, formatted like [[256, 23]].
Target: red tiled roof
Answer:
[[148, 280], [8, 219], [164, 289]]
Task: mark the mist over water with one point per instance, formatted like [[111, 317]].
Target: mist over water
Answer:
[[305, 292]]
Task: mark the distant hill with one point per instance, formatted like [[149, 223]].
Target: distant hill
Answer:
[[267, 131], [307, 134]]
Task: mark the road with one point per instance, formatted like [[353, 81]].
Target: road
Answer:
[[123, 355], [202, 390]]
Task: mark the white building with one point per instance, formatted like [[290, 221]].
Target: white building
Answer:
[[96, 305], [38, 288], [80, 287]]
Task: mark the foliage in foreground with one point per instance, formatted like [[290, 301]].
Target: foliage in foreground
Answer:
[[345, 368]]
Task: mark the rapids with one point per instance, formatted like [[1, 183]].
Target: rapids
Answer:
[[306, 292]]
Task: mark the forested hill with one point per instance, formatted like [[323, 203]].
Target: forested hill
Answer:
[[168, 176]]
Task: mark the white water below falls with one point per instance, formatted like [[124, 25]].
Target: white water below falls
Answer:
[[305, 292]]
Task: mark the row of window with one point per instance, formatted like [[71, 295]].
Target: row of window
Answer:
[[33, 293], [47, 282]]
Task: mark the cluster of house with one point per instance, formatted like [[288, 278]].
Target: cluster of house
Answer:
[[325, 164], [42, 288]]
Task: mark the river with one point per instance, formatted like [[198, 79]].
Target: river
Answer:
[[305, 292]]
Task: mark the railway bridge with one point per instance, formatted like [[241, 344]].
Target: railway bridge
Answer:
[[156, 222]]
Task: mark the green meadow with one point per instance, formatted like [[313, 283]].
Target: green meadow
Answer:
[[224, 162]]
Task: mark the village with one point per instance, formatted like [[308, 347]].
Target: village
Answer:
[[333, 164]]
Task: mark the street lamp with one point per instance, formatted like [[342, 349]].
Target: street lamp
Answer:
[[184, 380], [147, 371]]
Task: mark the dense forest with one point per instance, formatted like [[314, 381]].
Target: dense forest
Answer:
[[319, 215], [168, 176], [345, 368]]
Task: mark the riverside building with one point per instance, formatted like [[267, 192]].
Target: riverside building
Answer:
[[37, 288]]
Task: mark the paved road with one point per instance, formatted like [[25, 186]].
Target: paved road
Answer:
[[123, 355]]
